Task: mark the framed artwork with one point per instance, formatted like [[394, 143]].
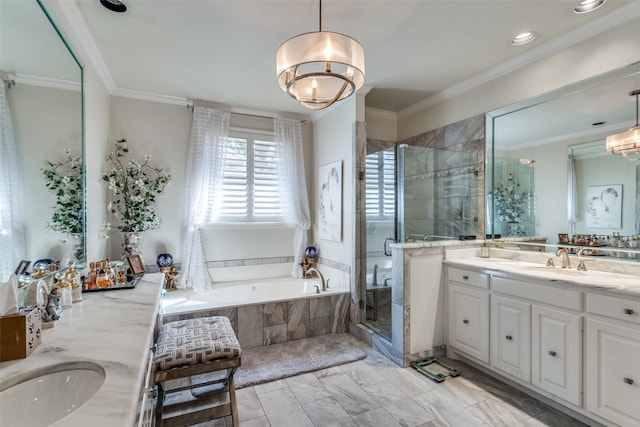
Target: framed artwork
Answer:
[[604, 206], [330, 203], [22, 267], [135, 265]]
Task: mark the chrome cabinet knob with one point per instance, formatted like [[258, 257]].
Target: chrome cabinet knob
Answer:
[[465, 277], [509, 337], [552, 353], [628, 381], [465, 321], [628, 311]]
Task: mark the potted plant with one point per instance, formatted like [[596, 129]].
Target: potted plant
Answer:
[[135, 188]]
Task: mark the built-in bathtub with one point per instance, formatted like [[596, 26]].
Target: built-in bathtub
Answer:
[[266, 311]]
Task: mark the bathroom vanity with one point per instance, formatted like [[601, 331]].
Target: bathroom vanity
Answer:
[[570, 336], [113, 331]]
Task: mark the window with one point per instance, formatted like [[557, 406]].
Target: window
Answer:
[[380, 185], [250, 180]]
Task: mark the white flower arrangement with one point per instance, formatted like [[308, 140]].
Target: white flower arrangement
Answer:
[[510, 202], [135, 187], [64, 180]]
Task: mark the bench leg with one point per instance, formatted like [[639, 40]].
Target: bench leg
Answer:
[[232, 401], [159, 405]]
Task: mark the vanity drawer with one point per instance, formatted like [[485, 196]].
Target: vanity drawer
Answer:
[[618, 308], [468, 277], [559, 297]]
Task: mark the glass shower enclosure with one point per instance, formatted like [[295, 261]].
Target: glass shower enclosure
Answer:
[[411, 194]]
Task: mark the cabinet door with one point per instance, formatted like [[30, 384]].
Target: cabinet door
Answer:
[[556, 341], [511, 336], [613, 372], [468, 321]]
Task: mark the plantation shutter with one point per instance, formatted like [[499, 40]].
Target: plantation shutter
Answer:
[[250, 182], [380, 185]]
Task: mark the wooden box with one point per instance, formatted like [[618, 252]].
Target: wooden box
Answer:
[[20, 334]]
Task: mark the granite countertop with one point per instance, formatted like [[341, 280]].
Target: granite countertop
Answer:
[[113, 329], [610, 276]]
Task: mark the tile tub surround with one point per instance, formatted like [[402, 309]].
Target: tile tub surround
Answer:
[[262, 324], [113, 329]]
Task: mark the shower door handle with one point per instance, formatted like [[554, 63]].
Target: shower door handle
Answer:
[[385, 245]]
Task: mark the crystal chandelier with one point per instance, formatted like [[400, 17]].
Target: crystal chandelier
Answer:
[[319, 68]]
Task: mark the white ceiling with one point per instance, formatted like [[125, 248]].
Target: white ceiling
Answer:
[[224, 50]]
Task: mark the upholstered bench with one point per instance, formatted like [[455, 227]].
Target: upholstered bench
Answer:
[[186, 348]]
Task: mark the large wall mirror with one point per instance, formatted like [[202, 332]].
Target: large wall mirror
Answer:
[[550, 152], [43, 87]]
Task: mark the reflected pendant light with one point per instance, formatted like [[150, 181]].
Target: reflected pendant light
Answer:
[[317, 69], [627, 143]]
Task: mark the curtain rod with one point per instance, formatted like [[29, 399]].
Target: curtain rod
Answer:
[[237, 111]]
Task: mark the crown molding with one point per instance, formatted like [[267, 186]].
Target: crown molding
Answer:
[[617, 17], [381, 114], [150, 96], [49, 82]]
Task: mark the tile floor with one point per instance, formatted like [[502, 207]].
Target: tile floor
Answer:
[[375, 392]]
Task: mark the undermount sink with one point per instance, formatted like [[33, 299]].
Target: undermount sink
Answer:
[[45, 395], [555, 270]]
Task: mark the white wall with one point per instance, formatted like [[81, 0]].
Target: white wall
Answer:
[[161, 130], [333, 136], [381, 125]]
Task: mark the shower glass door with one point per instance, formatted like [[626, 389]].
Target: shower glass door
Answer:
[[379, 228]]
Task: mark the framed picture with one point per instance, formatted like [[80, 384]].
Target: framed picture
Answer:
[[135, 265], [330, 203], [604, 206], [22, 267]]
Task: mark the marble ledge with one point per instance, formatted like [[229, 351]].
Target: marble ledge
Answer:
[[113, 329], [613, 276]]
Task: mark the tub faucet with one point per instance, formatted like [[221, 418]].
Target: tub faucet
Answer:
[[312, 270], [566, 262]]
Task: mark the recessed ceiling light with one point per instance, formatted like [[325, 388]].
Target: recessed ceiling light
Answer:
[[523, 38], [586, 6], [114, 5]]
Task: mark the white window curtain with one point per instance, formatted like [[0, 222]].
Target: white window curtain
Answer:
[[205, 164], [293, 185], [12, 236]]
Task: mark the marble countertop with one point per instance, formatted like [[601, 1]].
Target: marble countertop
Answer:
[[620, 278], [113, 329]]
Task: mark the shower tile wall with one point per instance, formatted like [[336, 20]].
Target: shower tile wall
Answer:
[[444, 186]]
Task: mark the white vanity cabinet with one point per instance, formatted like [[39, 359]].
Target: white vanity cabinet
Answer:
[[468, 313], [556, 352], [537, 335], [511, 336], [613, 359]]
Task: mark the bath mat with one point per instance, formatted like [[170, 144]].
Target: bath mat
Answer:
[[278, 361]]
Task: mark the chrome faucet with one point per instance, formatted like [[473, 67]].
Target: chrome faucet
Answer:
[[386, 281], [313, 269], [566, 262], [374, 281]]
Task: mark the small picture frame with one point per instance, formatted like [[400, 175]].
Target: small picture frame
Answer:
[[563, 238], [135, 265], [22, 267]]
